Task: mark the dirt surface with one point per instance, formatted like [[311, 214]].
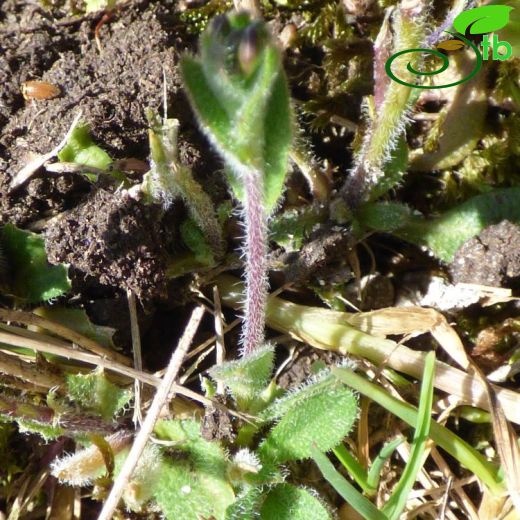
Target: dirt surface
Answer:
[[113, 89], [491, 258], [115, 239]]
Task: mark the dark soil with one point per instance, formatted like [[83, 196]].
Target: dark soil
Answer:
[[115, 239], [113, 89], [111, 241], [491, 258]]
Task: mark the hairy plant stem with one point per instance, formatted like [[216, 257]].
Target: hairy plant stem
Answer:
[[256, 263]]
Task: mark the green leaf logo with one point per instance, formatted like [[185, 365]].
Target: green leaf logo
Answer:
[[480, 20]]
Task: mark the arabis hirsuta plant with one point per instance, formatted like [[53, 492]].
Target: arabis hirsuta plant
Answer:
[[238, 90]]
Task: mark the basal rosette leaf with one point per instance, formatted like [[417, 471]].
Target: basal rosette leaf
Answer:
[[321, 413], [96, 393], [288, 502], [32, 278], [246, 378], [194, 484]]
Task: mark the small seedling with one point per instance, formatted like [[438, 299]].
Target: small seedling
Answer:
[[238, 90], [168, 179]]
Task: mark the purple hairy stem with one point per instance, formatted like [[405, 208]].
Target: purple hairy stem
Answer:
[[382, 51], [256, 263], [438, 33]]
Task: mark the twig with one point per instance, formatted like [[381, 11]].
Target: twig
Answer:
[[37, 162], [28, 318], [138, 360], [51, 347], [209, 341], [147, 427], [16, 367], [70, 353], [219, 334]]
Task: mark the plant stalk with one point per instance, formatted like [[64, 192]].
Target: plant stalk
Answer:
[[256, 263]]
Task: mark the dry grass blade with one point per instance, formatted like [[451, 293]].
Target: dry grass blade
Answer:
[[347, 334], [28, 318], [219, 334], [37, 162], [136, 348], [411, 320], [69, 352], [151, 417], [506, 441], [16, 367]]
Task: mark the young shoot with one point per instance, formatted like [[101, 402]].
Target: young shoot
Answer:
[[238, 90]]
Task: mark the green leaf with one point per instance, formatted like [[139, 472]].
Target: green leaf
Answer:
[[394, 168], [206, 455], [212, 116], [354, 469], [48, 432], [397, 502], [194, 484], [383, 216], [360, 503], [480, 20], [194, 238], [186, 493], [32, 277], [320, 413], [247, 377], [278, 138], [445, 234], [96, 393], [468, 456], [376, 470], [290, 228], [81, 149], [288, 502], [243, 108], [78, 320], [246, 505]]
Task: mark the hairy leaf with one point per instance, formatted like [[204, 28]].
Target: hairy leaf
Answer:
[[288, 502], [320, 413], [95, 392], [246, 378]]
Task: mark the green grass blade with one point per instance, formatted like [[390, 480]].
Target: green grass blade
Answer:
[[360, 503], [397, 501], [353, 467], [468, 456], [374, 472]]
